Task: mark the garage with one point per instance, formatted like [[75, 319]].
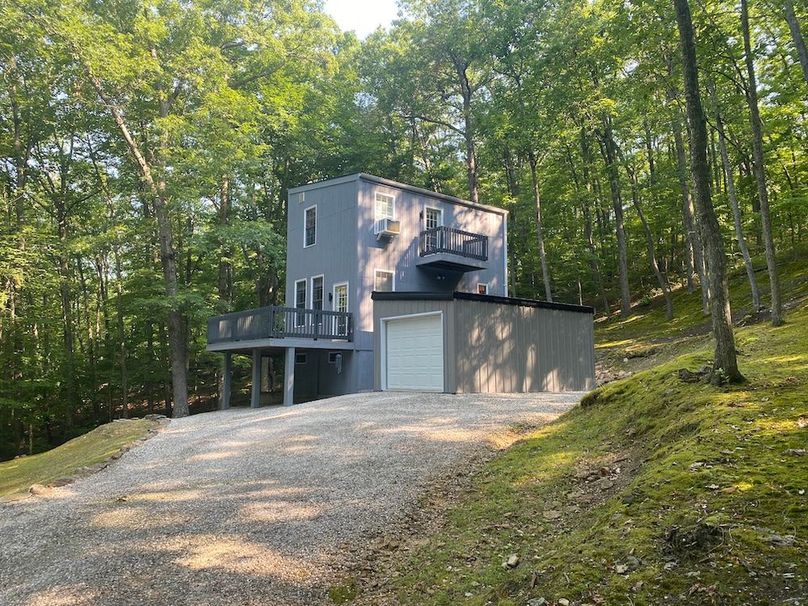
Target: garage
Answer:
[[412, 356], [459, 342]]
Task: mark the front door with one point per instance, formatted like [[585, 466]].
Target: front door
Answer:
[[433, 218], [341, 304]]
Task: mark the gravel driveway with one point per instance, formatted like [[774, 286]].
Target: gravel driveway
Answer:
[[246, 506]]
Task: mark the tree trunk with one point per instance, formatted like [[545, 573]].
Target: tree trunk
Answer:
[[225, 282], [468, 130], [796, 36], [725, 367], [594, 265], [513, 190], [736, 209], [650, 246], [694, 250], [176, 333], [759, 169], [609, 157], [545, 272]]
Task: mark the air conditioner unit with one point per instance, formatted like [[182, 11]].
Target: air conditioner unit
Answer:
[[386, 228]]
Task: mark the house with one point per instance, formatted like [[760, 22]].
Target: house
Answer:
[[390, 286]]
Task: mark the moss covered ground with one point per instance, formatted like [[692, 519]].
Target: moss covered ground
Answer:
[[653, 491], [72, 458]]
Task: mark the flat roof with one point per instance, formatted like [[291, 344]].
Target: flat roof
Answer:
[[390, 183], [468, 296]]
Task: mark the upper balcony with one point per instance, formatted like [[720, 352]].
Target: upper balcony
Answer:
[[453, 249], [276, 326]]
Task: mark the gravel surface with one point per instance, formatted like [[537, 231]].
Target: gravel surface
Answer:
[[246, 506]]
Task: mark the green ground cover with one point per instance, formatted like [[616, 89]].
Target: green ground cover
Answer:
[[71, 458]]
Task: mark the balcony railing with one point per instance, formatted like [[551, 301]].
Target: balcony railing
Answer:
[[276, 322], [453, 241]]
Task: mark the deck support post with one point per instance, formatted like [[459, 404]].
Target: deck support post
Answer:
[[289, 377], [255, 393], [227, 381]]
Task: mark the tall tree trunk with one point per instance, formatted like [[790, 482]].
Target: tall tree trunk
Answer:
[[225, 282], [591, 190], [694, 250], [468, 129], [157, 188], [534, 178], [725, 364], [796, 36], [610, 157], [650, 246], [736, 209], [122, 350], [68, 329], [513, 190], [759, 168]]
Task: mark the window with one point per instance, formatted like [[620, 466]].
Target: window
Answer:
[[301, 358], [385, 207], [433, 217], [317, 292], [385, 281], [332, 357], [482, 289], [310, 227], [300, 301]]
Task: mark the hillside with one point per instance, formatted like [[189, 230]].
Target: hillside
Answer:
[[80, 456], [655, 490]]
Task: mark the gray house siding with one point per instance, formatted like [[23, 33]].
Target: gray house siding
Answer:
[[347, 250], [501, 348], [514, 348], [334, 254], [400, 253]]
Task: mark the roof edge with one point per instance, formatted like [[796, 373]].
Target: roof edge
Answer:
[[397, 184], [467, 296]]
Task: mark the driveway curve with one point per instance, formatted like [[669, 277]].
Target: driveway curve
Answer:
[[246, 507]]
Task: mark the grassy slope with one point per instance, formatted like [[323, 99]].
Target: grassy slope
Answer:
[[656, 491], [65, 461]]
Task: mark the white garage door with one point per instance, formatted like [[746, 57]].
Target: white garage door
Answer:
[[414, 353]]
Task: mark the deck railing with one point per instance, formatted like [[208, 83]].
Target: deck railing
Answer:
[[455, 241], [277, 322]]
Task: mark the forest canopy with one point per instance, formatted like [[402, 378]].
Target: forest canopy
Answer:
[[146, 148]]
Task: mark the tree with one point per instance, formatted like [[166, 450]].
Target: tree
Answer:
[[759, 169], [725, 365], [796, 36]]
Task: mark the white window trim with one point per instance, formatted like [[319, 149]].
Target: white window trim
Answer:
[[305, 357], [387, 271], [383, 344], [482, 284], [305, 303], [316, 221], [375, 213], [437, 208]]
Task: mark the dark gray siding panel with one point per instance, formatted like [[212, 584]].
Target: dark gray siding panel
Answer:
[[334, 254], [511, 348]]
